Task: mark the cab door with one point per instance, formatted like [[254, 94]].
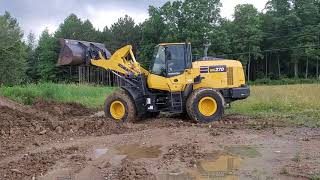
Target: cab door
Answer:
[[171, 70]]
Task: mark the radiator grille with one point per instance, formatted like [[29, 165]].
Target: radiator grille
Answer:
[[230, 76]]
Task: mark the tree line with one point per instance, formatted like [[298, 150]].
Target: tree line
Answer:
[[280, 41]]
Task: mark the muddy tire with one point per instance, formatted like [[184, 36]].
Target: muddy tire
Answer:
[[120, 107], [205, 105]]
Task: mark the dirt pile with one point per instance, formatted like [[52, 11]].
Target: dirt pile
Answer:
[[15, 122], [17, 129], [62, 109], [187, 153], [93, 126], [22, 126], [133, 171], [62, 118], [34, 164]]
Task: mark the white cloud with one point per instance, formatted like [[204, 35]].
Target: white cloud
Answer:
[[101, 17], [37, 27], [229, 5], [50, 26]]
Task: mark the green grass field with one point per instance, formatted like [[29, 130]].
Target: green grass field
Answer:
[[90, 96], [297, 104]]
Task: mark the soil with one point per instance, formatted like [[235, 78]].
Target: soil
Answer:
[[51, 140], [62, 109]]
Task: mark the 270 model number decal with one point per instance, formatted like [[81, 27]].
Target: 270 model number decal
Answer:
[[216, 69]]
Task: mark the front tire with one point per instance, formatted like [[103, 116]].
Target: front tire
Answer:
[[205, 105], [120, 107]]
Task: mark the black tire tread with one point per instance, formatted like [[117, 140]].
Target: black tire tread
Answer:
[[123, 96], [192, 113]]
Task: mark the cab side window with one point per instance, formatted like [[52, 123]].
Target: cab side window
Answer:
[[175, 57]]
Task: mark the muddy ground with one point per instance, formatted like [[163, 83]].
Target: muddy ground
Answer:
[[67, 141]]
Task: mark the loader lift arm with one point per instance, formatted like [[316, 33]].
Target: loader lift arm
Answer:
[[124, 65], [122, 61], [133, 77]]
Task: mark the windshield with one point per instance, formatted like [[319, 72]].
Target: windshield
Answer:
[[159, 63]]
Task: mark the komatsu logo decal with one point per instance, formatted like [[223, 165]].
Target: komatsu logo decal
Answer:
[[213, 69]]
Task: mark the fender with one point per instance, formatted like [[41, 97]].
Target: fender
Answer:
[[137, 97]]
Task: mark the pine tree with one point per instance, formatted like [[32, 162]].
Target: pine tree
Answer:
[[12, 51], [47, 56], [32, 64]]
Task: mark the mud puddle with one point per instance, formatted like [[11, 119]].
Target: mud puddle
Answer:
[[100, 152], [243, 151], [135, 151], [223, 167]]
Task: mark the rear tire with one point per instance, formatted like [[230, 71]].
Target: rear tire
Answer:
[[120, 107], [205, 105]]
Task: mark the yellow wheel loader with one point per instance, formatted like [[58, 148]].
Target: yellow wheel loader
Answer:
[[174, 83]]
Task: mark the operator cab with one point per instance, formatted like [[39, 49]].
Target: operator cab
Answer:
[[171, 59]]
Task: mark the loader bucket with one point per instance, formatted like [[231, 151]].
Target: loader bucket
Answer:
[[74, 52]]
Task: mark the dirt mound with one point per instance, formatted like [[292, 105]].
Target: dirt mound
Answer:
[[27, 126], [187, 153], [9, 103], [34, 164], [17, 129], [94, 126], [62, 109], [132, 171], [16, 124]]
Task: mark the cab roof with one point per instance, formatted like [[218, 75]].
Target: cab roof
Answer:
[[180, 43]]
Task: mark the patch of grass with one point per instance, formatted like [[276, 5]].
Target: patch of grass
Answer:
[[87, 95], [242, 150], [316, 177], [296, 104], [284, 81]]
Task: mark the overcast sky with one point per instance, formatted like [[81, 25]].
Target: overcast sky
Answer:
[[36, 15]]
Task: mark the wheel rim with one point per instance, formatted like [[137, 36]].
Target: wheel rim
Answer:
[[207, 106], [117, 110]]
